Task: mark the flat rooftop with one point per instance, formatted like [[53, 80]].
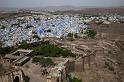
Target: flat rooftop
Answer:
[[21, 60]]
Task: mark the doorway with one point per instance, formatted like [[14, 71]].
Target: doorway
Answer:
[[16, 79]]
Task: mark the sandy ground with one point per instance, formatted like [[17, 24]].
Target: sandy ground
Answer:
[[33, 72]]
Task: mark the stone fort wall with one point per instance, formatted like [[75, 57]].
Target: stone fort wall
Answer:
[[14, 76]]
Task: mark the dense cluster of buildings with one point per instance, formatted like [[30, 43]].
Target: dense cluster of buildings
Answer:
[[103, 19], [35, 27], [29, 28]]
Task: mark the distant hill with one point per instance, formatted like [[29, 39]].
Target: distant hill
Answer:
[[73, 9]]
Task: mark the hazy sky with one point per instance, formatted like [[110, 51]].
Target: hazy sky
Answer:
[[40, 3]]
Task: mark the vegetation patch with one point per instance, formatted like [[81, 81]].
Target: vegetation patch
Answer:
[[6, 50], [50, 50], [36, 36], [107, 65], [43, 49], [43, 61], [91, 33], [74, 79]]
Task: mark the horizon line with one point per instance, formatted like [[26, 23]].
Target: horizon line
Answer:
[[63, 6]]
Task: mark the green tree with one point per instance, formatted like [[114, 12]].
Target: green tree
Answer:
[[75, 35], [43, 61], [36, 36], [91, 33], [74, 79], [1, 44], [3, 27], [70, 35], [6, 50], [36, 59], [24, 45]]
